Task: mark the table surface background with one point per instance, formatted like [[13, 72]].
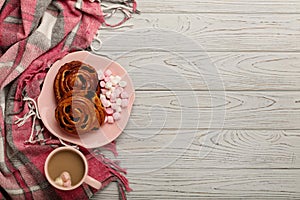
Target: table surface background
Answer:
[[247, 77]]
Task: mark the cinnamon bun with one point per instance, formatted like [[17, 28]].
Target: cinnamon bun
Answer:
[[75, 75], [79, 112]]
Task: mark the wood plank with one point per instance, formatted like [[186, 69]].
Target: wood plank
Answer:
[[212, 71], [162, 135], [149, 150], [209, 32], [240, 164], [219, 6], [215, 110], [187, 182]]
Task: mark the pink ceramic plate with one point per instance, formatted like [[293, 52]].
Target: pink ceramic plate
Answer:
[[47, 102]]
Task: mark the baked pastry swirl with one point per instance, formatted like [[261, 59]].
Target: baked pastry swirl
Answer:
[[75, 75], [79, 112]]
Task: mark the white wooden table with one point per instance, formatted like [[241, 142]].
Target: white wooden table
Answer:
[[217, 110]]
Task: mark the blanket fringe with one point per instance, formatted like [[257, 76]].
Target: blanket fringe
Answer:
[[34, 114], [115, 169], [110, 8], [113, 164], [34, 136], [116, 172], [68, 145]]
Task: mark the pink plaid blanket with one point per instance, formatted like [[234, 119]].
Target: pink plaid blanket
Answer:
[[33, 35]]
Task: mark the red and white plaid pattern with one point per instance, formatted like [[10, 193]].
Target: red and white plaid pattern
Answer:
[[33, 35]]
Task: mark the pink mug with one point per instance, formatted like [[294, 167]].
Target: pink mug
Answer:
[[83, 178]]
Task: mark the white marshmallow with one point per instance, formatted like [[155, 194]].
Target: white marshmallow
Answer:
[[112, 100], [108, 94], [119, 109], [108, 85], [114, 106], [113, 96], [118, 101], [67, 184], [124, 103], [116, 116], [113, 89], [106, 79], [118, 91], [59, 181], [102, 97], [65, 176], [106, 103], [107, 72], [102, 84], [103, 91], [122, 84], [124, 95], [110, 119], [109, 111], [100, 74], [115, 80]]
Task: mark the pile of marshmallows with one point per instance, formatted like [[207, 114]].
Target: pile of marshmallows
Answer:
[[64, 180], [113, 96]]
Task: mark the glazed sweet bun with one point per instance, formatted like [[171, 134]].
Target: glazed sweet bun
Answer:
[[75, 75], [79, 109], [79, 112]]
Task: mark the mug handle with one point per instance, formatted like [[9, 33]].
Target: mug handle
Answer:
[[92, 182]]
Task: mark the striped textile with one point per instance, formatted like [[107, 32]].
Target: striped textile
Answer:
[[33, 35]]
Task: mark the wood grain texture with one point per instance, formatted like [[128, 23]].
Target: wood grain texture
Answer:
[[215, 110], [213, 71], [217, 107], [209, 32], [184, 182], [204, 149], [212, 164], [219, 6]]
